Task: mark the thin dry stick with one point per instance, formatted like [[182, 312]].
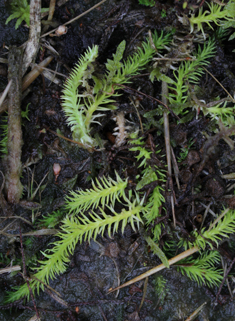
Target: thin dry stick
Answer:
[[10, 269], [175, 168], [225, 267], [29, 78], [35, 72], [51, 9], [158, 268], [168, 144], [144, 293], [89, 149], [195, 313], [218, 219], [5, 92], [148, 96], [225, 277], [76, 18], [219, 84]]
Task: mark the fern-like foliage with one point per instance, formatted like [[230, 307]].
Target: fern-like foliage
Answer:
[[202, 269], [83, 103], [220, 230], [72, 102], [143, 153], [76, 229], [189, 71], [149, 175], [215, 13], [103, 192], [21, 10], [52, 219], [230, 8], [224, 113]]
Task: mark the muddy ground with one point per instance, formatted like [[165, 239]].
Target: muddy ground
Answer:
[[96, 267]]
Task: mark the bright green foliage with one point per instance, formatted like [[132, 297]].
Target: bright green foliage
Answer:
[[52, 219], [202, 269], [156, 199], [156, 250], [89, 228], [79, 228], [21, 10], [72, 102], [190, 71], [220, 230], [214, 14], [143, 154], [230, 8], [226, 114], [149, 3], [155, 202], [81, 101], [148, 176], [103, 192]]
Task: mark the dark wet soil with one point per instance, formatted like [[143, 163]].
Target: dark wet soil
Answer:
[[98, 266]]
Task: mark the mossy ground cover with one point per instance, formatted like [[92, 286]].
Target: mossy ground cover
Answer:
[[109, 204]]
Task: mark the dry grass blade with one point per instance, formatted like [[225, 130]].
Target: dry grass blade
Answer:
[[168, 144], [76, 18], [196, 312], [3, 96], [219, 84], [34, 34], [10, 269], [158, 268], [33, 74]]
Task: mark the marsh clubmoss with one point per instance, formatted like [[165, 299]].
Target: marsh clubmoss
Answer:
[[215, 13], [91, 212], [21, 10], [83, 104]]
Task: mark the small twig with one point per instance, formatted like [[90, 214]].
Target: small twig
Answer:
[[51, 9], [158, 268], [35, 72], [205, 214], [168, 144], [5, 92], [10, 269], [149, 97], [225, 267], [36, 190], [225, 277], [144, 293], [175, 59], [24, 273], [218, 219], [219, 84], [195, 313], [76, 18], [175, 168], [90, 149], [19, 217]]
